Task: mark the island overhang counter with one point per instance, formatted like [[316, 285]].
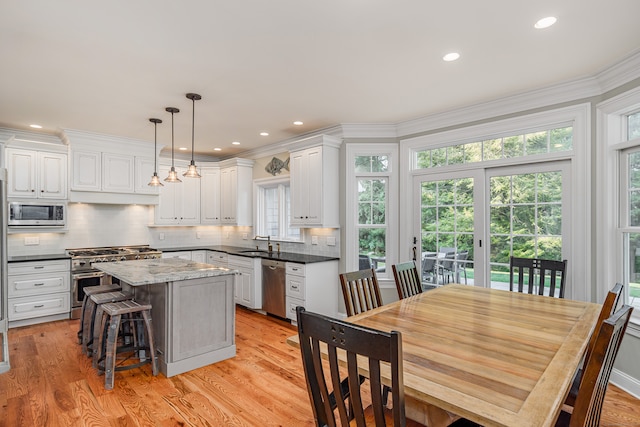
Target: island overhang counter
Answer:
[[193, 310]]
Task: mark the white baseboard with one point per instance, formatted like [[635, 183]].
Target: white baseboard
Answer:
[[626, 382]]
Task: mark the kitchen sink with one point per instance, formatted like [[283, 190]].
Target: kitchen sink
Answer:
[[254, 252]]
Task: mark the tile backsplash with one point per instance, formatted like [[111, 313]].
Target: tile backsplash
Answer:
[[93, 225]]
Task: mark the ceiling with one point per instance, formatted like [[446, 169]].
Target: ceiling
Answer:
[[108, 67]]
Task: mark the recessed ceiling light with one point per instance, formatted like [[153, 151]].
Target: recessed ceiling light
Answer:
[[545, 22], [264, 133], [235, 143], [182, 148], [217, 149], [35, 126], [298, 123], [451, 56]]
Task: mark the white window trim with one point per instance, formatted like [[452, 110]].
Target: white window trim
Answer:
[[351, 207], [611, 137], [258, 197], [579, 115]]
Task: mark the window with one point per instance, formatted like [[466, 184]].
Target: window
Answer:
[[372, 207], [506, 147], [273, 210], [369, 242], [618, 204]]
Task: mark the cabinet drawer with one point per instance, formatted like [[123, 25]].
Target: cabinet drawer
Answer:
[[38, 284], [295, 286], [240, 261], [36, 306], [218, 258], [292, 303], [38, 267], [296, 269]]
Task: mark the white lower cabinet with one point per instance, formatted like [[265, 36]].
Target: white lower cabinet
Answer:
[[313, 286], [199, 256], [248, 291], [219, 259], [37, 289], [177, 254]]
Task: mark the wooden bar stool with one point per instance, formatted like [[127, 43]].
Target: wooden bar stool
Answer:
[[84, 319], [142, 346], [93, 313]]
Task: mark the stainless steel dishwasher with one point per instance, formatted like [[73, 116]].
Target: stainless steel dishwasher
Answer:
[[273, 287]]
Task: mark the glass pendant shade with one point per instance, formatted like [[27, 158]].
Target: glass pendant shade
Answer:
[[155, 181], [173, 175], [192, 172]]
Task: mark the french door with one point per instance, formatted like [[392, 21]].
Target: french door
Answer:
[[470, 222]]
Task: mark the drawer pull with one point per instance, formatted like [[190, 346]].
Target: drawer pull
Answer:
[[294, 286], [38, 267], [38, 306], [38, 284]]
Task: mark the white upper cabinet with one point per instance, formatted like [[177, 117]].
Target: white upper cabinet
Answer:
[[107, 169], [34, 174], [117, 173], [236, 176], [314, 182], [210, 195], [143, 169], [179, 202]]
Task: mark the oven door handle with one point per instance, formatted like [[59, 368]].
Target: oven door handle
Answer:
[[88, 275]]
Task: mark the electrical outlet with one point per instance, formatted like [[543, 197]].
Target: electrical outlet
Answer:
[[331, 241], [29, 241], [227, 234], [244, 236], [161, 236], [198, 234], [314, 240]]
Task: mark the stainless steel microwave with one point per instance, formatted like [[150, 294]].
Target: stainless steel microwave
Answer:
[[31, 214]]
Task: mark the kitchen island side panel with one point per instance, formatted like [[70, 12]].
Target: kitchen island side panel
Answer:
[[202, 316]]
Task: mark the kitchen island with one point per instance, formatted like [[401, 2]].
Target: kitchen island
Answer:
[[193, 309]]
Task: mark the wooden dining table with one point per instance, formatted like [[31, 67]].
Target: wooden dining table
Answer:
[[496, 357]]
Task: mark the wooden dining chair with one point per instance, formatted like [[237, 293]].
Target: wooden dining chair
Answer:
[[360, 290], [524, 271], [376, 347], [595, 379], [608, 308], [407, 279]]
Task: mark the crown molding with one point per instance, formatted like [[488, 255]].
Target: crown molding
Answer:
[[12, 135], [286, 145], [550, 95], [369, 130], [622, 72]]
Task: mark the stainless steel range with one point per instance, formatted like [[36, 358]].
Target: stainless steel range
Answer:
[[84, 275]]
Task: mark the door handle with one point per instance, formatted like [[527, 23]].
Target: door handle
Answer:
[[415, 251]]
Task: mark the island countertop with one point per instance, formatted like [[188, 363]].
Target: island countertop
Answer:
[[150, 271]]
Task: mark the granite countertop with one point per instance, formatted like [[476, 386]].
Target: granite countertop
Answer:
[[41, 257], [249, 252], [150, 271]]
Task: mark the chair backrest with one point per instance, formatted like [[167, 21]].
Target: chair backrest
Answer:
[[364, 262], [357, 342], [608, 308], [360, 290], [407, 279], [588, 406], [447, 261], [526, 270]]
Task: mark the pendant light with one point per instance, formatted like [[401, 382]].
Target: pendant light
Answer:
[[192, 172], [173, 175], [155, 181]]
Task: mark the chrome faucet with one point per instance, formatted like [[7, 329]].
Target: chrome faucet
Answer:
[[269, 245]]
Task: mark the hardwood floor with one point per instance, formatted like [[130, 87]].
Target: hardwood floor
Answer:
[[52, 384]]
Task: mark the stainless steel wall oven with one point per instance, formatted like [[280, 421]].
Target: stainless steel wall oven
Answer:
[[83, 274]]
